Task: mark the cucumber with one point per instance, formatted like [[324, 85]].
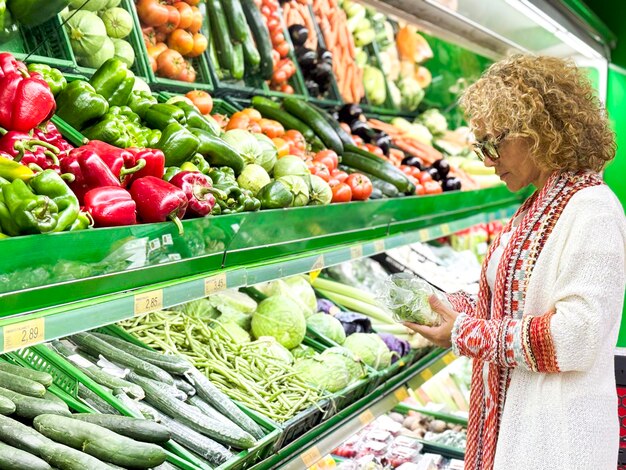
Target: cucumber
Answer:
[[209, 410], [52, 397], [99, 442], [251, 55], [166, 466], [219, 26], [261, 37], [287, 120], [139, 429], [94, 345], [236, 20], [16, 459], [184, 387], [94, 400], [315, 121], [238, 63], [21, 385], [169, 363], [148, 412], [66, 458], [214, 452], [43, 378], [345, 138], [125, 400], [28, 407], [23, 437], [170, 390], [214, 58], [222, 403], [381, 169], [194, 418], [217, 152], [7, 407]]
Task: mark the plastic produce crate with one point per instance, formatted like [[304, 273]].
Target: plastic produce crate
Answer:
[[47, 43], [245, 458], [204, 81], [66, 378]]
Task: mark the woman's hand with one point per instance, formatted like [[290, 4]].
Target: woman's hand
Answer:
[[439, 335]]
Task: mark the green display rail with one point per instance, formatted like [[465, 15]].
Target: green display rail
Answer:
[[322, 440], [23, 330]]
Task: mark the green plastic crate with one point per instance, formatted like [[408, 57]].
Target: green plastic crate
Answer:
[[47, 43], [243, 459], [67, 377]]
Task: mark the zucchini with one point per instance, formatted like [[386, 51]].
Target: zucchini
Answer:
[[7, 407], [185, 387], [251, 55], [28, 407], [94, 345], [99, 442], [95, 401], [238, 63], [169, 363], [266, 101], [213, 56], [236, 20], [287, 120], [223, 45], [346, 139], [16, 459], [194, 418], [370, 156], [315, 121], [136, 428], [21, 385], [222, 403], [214, 452], [217, 152], [43, 378], [261, 37], [381, 169]]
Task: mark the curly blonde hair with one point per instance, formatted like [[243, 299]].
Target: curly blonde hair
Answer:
[[551, 102]]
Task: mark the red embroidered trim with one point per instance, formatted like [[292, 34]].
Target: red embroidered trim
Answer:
[[541, 344]]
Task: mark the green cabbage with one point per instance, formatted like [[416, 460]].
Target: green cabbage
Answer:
[[282, 318], [296, 186], [234, 307], [232, 330], [328, 326], [370, 348], [354, 366], [87, 33], [268, 152], [327, 373], [436, 122], [268, 347], [302, 352], [253, 177], [297, 288], [199, 309]]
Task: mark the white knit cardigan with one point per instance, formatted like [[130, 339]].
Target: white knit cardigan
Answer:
[[568, 420]]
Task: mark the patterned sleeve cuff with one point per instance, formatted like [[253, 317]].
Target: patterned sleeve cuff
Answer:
[[462, 302], [455, 333]]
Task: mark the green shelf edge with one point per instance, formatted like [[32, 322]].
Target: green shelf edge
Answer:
[[63, 320]]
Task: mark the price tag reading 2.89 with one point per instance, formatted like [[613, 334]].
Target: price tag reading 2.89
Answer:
[[24, 334], [148, 302]]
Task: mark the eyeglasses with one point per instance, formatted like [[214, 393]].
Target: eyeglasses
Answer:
[[488, 148]]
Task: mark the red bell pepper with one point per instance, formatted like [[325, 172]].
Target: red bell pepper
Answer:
[[155, 163], [121, 161], [89, 171], [8, 63], [25, 101], [111, 206], [27, 150], [199, 191], [52, 136], [158, 200]]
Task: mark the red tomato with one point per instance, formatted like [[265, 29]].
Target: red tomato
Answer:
[[282, 49], [360, 185], [342, 193], [252, 113], [328, 158], [271, 128], [375, 150], [357, 140], [332, 182], [287, 88], [296, 137], [321, 170], [294, 149], [282, 146], [238, 120], [339, 175], [419, 189], [201, 99], [423, 177], [254, 127], [432, 187], [407, 169]]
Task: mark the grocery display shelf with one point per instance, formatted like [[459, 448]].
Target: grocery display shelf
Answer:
[[320, 441], [22, 330]]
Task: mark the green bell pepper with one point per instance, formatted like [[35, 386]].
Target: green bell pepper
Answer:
[[35, 12], [53, 77], [140, 101], [159, 116], [125, 112], [111, 129], [8, 26], [197, 120], [79, 104], [115, 81], [152, 137], [200, 163], [178, 144], [31, 212], [7, 223], [170, 172], [82, 222], [49, 183]]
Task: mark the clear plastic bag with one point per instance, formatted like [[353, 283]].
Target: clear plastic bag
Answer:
[[406, 296]]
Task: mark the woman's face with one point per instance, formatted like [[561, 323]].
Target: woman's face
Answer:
[[515, 166]]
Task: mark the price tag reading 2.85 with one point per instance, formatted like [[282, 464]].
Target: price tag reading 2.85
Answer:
[[148, 302], [24, 334]]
